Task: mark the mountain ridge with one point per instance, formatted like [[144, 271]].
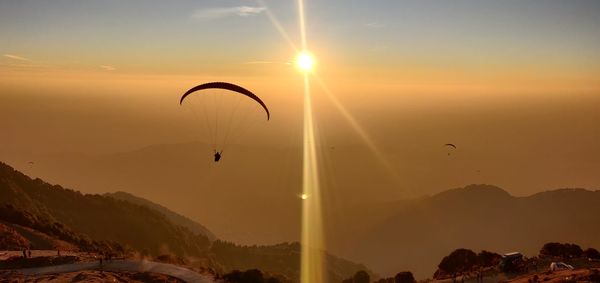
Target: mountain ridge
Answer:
[[174, 217], [476, 217]]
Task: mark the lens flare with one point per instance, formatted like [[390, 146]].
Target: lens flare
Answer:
[[311, 259], [312, 240]]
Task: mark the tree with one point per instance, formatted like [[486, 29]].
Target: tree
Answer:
[[252, 276], [591, 253], [248, 276], [561, 250], [487, 258], [404, 277], [458, 261], [361, 277]]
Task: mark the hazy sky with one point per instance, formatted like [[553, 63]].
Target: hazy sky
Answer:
[[511, 81], [546, 37]]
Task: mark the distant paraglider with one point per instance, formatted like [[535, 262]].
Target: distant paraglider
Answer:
[[211, 96]]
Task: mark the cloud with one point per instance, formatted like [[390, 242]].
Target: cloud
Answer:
[[259, 62], [21, 65], [216, 13], [16, 57], [267, 63], [375, 25], [107, 67]]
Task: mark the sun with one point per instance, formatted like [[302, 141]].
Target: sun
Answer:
[[305, 61]]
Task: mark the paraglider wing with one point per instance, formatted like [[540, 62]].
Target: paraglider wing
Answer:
[[227, 86], [451, 145]]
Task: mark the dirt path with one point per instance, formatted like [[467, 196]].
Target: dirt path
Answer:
[[179, 272]]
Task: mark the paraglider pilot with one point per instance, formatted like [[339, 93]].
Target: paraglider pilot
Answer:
[[217, 156]]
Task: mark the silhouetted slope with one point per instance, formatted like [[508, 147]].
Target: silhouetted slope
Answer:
[[178, 219], [35, 211], [98, 217], [416, 234]]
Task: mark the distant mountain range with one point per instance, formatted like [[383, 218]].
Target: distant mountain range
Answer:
[[38, 215], [416, 234], [245, 200]]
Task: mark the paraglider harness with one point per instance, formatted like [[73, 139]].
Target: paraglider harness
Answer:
[[217, 155]]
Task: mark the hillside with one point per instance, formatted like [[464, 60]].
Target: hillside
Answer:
[[174, 217], [37, 215], [98, 217], [414, 235]]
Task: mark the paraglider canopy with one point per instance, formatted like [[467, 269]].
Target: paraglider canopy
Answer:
[[450, 145], [227, 86]]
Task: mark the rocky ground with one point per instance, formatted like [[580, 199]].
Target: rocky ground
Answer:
[[577, 275], [47, 266], [91, 276]]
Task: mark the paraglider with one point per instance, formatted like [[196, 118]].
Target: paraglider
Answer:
[[219, 129], [450, 145]]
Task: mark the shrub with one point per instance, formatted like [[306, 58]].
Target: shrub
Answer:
[[404, 277], [561, 250], [591, 253], [458, 261]]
